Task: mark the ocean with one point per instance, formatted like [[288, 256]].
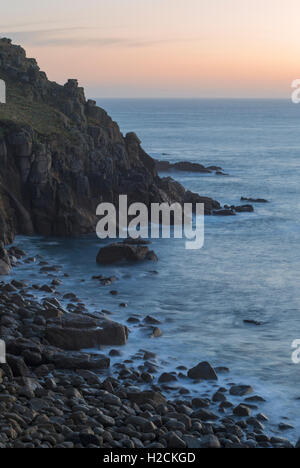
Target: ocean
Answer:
[[249, 267]]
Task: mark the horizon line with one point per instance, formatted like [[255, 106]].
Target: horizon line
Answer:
[[196, 98]]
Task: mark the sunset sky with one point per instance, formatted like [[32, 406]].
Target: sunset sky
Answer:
[[162, 48]]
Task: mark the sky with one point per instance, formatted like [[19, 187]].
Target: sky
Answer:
[[162, 48]]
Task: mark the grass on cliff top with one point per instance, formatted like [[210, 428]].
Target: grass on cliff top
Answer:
[[22, 109]]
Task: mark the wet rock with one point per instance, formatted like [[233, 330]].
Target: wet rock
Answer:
[[285, 427], [244, 209], [166, 377], [240, 390], [204, 415], [200, 402], [156, 332], [79, 361], [176, 442], [242, 410], [254, 200], [252, 322], [119, 251], [281, 442], [90, 439], [203, 371], [255, 398], [224, 212], [210, 442], [18, 366], [222, 370], [151, 320], [154, 398], [73, 339], [185, 166], [218, 397]]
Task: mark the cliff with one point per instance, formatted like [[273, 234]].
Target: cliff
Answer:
[[61, 155]]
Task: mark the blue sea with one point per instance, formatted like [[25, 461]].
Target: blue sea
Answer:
[[249, 267]]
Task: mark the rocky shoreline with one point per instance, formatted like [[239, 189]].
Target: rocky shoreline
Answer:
[[54, 395]]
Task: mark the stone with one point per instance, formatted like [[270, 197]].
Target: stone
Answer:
[[119, 251], [73, 339], [154, 398], [242, 410], [176, 442], [204, 415], [166, 377], [210, 441], [240, 390], [18, 366], [203, 371]]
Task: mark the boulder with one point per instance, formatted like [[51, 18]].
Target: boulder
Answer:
[[121, 251], [203, 371], [75, 361], [240, 390], [254, 200], [17, 365], [140, 398], [242, 410], [244, 209], [224, 212], [74, 339]]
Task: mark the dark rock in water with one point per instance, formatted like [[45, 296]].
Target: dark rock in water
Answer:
[[219, 397], [252, 322], [285, 427], [255, 398], [202, 371], [225, 212], [190, 167], [242, 410], [152, 320], [120, 251], [214, 168], [240, 390], [244, 209], [166, 377], [156, 332], [254, 200], [110, 334], [185, 166], [222, 370]]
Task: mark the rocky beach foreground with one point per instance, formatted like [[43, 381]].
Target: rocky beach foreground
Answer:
[[52, 394]]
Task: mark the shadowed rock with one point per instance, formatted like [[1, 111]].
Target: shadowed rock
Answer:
[[202, 371], [120, 251]]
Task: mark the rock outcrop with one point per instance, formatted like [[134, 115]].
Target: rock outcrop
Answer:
[[120, 251], [187, 166], [5, 264], [61, 155]]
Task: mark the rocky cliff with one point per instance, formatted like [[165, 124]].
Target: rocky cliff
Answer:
[[61, 155]]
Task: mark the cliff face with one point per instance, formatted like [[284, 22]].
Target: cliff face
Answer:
[[60, 156]]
